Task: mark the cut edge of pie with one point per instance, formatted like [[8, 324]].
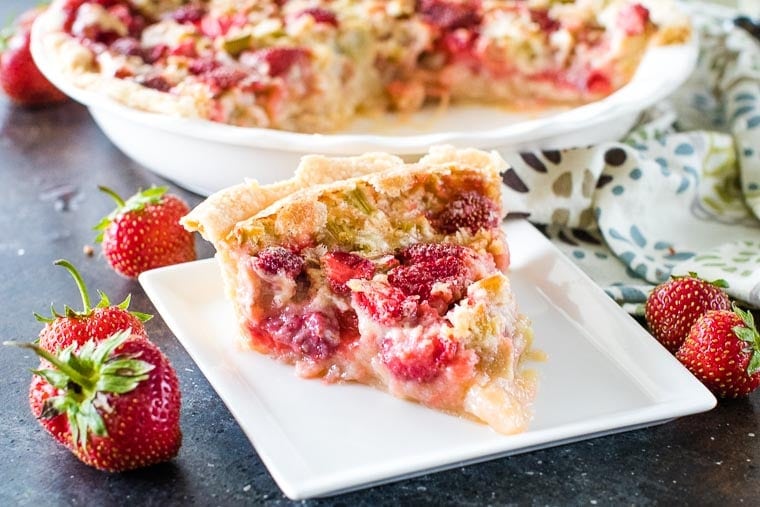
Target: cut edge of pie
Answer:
[[365, 280]]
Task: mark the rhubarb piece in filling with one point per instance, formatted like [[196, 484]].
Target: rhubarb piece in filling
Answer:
[[395, 279]]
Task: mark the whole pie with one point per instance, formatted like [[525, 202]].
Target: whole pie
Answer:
[[314, 65], [393, 278]]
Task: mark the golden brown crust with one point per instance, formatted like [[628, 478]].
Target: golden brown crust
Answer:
[[297, 197], [65, 56], [307, 213], [295, 209], [216, 216]]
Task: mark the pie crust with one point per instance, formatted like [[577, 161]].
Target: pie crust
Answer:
[[371, 270]]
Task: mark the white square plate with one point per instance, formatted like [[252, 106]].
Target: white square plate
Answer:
[[604, 374]]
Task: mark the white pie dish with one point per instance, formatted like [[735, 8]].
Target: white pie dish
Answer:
[[205, 156], [603, 374]]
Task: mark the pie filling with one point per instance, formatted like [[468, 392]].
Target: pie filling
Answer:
[[427, 315], [308, 65]]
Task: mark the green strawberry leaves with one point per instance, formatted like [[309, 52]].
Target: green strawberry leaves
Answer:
[[5, 35], [137, 202], [748, 334], [124, 305], [720, 282], [86, 303], [84, 377]]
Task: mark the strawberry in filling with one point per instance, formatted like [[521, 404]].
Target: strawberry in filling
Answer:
[[450, 15], [436, 273], [215, 26], [418, 361], [470, 210], [546, 23], [221, 77], [633, 19], [385, 304], [128, 46], [190, 13], [156, 83], [277, 61], [276, 260], [320, 15], [315, 335], [340, 267], [321, 310]]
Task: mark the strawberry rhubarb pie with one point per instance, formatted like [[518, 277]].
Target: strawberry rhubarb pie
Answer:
[[314, 65], [393, 278]]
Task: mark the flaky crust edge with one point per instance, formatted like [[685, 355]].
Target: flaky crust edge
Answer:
[[69, 60], [219, 213]]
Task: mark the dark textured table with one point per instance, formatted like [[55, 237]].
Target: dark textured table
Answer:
[[51, 161]]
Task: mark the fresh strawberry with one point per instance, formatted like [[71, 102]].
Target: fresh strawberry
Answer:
[[723, 352], [20, 78], [674, 306], [115, 403], [40, 391], [98, 323], [144, 232], [341, 267]]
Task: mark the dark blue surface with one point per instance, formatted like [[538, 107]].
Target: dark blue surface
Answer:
[[51, 162]]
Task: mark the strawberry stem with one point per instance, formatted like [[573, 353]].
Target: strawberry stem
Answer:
[[79, 281], [55, 361], [116, 197]]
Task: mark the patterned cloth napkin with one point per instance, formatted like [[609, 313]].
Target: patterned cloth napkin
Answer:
[[680, 194]]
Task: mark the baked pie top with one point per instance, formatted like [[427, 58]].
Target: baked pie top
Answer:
[[314, 65]]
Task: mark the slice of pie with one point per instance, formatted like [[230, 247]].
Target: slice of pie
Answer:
[[314, 65], [394, 278]]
